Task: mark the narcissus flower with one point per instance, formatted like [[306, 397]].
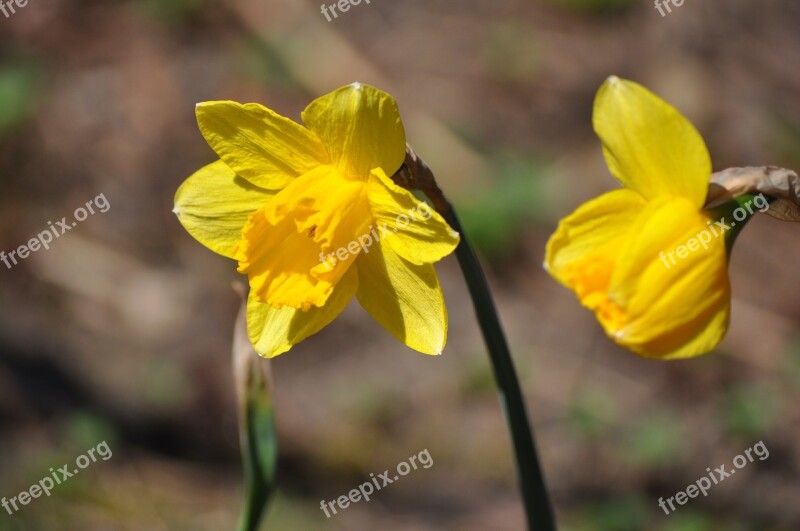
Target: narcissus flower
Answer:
[[314, 219], [635, 256]]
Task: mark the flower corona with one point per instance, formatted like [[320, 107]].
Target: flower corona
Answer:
[[608, 250], [283, 195]]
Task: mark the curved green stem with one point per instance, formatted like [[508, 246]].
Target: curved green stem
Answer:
[[534, 492], [414, 174]]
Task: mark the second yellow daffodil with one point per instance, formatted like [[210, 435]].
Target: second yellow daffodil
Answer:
[[611, 250], [313, 218]]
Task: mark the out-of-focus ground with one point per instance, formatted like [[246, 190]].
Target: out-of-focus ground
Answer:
[[121, 331]]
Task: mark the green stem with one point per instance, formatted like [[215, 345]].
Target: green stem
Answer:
[[259, 452], [725, 214], [534, 492], [258, 435], [414, 174]]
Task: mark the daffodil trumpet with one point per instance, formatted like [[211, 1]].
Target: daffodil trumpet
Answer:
[[284, 199], [650, 259]]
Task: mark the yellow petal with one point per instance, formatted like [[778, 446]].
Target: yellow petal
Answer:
[[583, 251], [285, 246], [411, 228], [404, 298], [648, 145], [274, 331], [671, 283], [265, 148], [361, 129], [214, 203]]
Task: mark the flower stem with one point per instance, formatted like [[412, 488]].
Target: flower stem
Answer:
[[534, 492], [258, 434], [732, 225], [414, 174]]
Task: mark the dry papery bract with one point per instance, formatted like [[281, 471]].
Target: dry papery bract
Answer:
[[772, 181]]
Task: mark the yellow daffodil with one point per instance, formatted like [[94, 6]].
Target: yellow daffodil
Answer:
[[313, 218], [647, 259]]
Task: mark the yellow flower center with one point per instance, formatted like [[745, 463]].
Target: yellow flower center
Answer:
[[590, 278], [286, 245]]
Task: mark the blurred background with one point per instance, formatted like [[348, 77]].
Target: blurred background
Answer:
[[122, 330]]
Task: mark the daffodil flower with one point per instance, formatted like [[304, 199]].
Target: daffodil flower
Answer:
[[611, 250], [285, 198]]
